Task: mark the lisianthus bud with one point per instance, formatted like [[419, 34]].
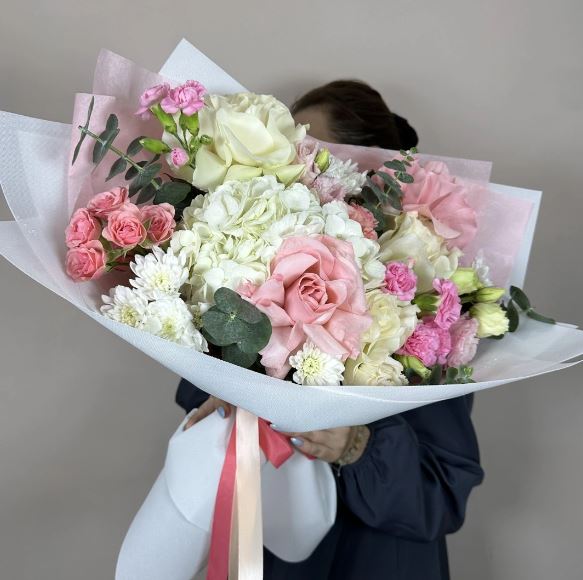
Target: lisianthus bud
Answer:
[[492, 320], [427, 302], [490, 294], [322, 160], [413, 363], [466, 280]]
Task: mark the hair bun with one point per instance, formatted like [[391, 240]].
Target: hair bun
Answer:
[[407, 135]]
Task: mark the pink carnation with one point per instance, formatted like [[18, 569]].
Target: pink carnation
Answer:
[[464, 341], [307, 149], [315, 292], [178, 157], [429, 343], [328, 189], [440, 197], [82, 228], [150, 97], [162, 224], [86, 262], [365, 218], [450, 306], [187, 98], [102, 204], [125, 227], [400, 280]]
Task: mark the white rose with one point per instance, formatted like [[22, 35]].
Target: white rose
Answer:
[[412, 239], [251, 135], [374, 370]]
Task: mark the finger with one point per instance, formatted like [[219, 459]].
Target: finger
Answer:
[[312, 449]]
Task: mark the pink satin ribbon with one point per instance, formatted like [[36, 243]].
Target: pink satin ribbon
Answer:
[[277, 450]]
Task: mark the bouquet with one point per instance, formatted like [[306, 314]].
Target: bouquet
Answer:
[[332, 285]]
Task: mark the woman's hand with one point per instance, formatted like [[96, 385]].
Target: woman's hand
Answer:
[[211, 405], [331, 444]]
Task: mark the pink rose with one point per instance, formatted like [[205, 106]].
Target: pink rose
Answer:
[[102, 204], [400, 280], [307, 149], [125, 227], [86, 262], [464, 341], [450, 306], [440, 197], [150, 97], [429, 343], [187, 98], [315, 292], [365, 218], [178, 157], [162, 222], [82, 228]]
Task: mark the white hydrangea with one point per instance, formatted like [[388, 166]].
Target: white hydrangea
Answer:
[[314, 367], [125, 305], [159, 274], [339, 225], [171, 319], [346, 172]]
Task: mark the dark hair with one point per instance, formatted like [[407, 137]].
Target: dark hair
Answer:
[[359, 116]]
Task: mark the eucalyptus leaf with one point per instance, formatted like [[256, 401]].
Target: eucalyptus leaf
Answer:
[[513, 318], [520, 298], [106, 138], [132, 171], [236, 356], [147, 193], [395, 165], [118, 167], [405, 178], [135, 146], [83, 134], [172, 192], [536, 316]]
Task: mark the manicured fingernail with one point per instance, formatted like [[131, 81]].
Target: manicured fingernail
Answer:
[[297, 441], [221, 411]]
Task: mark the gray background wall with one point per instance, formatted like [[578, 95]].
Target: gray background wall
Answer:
[[80, 447]]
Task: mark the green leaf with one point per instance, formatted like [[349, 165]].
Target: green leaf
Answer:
[[435, 376], [83, 135], [451, 375], [172, 192], [259, 337], [135, 146], [189, 122], [513, 317], [132, 171], [236, 356], [118, 167], [143, 178], [536, 316], [380, 193], [405, 178], [230, 302], [395, 165], [147, 193], [107, 137], [520, 298]]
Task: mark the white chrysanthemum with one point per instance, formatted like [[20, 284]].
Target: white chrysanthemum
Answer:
[[482, 269], [338, 224], [347, 174], [159, 274], [171, 319], [314, 367], [125, 305]]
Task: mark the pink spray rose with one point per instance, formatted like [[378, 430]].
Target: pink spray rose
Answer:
[[82, 228], [315, 292], [178, 157], [400, 280], [187, 98], [440, 197], [450, 306], [102, 204], [365, 218], [86, 262], [150, 97], [125, 227], [162, 222], [429, 343], [464, 341]]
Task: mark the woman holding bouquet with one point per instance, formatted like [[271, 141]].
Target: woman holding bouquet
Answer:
[[402, 482]]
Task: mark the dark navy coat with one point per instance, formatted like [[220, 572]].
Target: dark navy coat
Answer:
[[397, 502]]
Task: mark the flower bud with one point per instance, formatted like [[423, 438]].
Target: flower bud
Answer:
[[492, 320], [466, 280], [490, 294], [205, 140], [154, 146], [427, 302], [322, 160], [413, 363]]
